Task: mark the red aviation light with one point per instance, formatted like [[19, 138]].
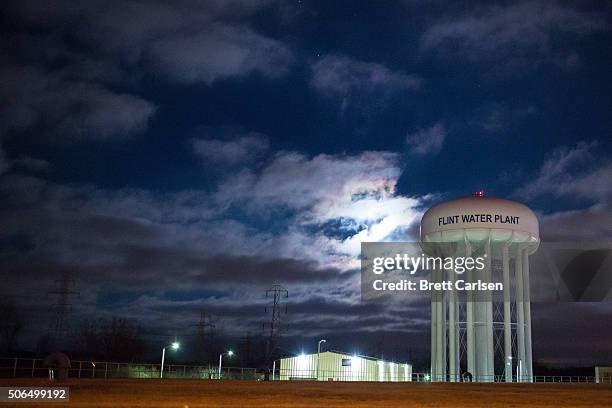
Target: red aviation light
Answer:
[[479, 193]]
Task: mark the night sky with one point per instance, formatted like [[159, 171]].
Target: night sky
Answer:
[[174, 157]]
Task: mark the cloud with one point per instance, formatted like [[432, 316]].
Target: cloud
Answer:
[[87, 89], [223, 247], [186, 42], [575, 175], [308, 191], [5, 164], [590, 224], [427, 141], [32, 163], [243, 150], [68, 109], [299, 183], [572, 172], [520, 33], [218, 53], [347, 79], [354, 194], [497, 117]]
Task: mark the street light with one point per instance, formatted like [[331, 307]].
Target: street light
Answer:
[[229, 354], [175, 345], [319, 355]]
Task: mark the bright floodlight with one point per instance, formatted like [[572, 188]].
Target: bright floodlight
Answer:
[[230, 353], [175, 345]]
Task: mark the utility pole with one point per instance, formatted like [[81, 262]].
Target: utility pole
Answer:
[[276, 294]]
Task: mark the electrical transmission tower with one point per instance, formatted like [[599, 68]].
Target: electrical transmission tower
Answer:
[[246, 349], [276, 294], [205, 335], [63, 290]]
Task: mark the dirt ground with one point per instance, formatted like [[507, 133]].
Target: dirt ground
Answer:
[[197, 393]]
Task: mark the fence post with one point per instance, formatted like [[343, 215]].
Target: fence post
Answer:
[[33, 366], [105, 370], [15, 368], [80, 367]]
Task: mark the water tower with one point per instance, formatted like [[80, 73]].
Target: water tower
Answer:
[[486, 334]]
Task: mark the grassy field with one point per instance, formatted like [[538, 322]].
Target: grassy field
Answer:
[[197, 393]]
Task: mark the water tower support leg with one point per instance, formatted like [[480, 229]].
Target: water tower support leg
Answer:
[[469, 307], [453, 356], [520, 314], [507, 317], [434, 337], [526, 294], [442, 343], [490, 373]]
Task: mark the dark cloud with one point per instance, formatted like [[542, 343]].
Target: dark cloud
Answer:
[[128, 249], [521, 33], [242, 150], [355, 82], [573, 172], [571, 326], [67, 109], [498, 117], [218, 53], [591, 224], [32, 163], [4, 161], [427, 141], [73, 71]]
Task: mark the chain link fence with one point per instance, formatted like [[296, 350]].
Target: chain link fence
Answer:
[[36, 368]]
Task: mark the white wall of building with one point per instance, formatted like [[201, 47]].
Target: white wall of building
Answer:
[[343, 367]]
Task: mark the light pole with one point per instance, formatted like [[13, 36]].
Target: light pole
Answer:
[[319, 355], [229, 354], [174, 346]]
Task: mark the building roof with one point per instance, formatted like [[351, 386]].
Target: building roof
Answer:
[[348, 354]]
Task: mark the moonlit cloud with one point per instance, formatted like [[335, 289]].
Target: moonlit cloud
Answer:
[[242, 150], [350, 80], [359, 190], [189, 240], [427, 141]]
